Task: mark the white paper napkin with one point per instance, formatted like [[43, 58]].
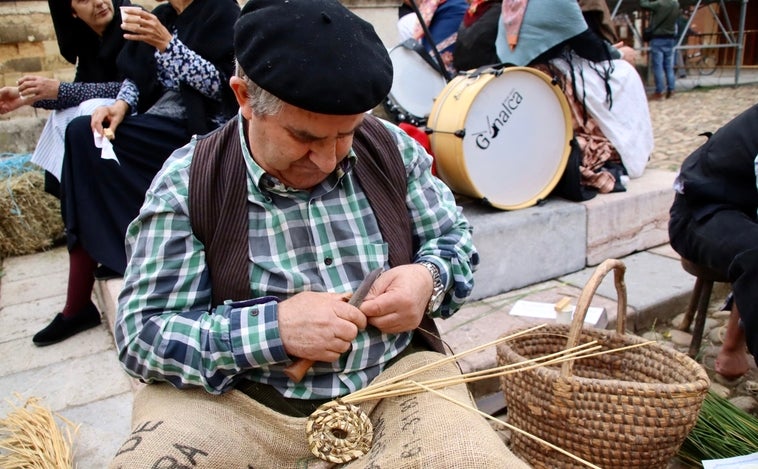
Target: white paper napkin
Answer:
[[107, 152]]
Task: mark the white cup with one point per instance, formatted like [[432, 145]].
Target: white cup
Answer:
[[128, 14]]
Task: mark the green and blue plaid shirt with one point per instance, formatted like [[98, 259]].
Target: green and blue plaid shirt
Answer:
[[326, 239]]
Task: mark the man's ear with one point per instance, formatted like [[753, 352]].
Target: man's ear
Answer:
[[239, 87]]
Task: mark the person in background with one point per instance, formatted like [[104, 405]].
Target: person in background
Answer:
[[177, 62], [442, 19], [89, 36], [613, 132], [684, 32], [231, 282], [663, 21], [714, 223]]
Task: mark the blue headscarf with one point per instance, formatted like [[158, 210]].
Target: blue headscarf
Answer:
[[546, 24]]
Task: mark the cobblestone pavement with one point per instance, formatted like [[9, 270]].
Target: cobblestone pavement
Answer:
[[678, 121]]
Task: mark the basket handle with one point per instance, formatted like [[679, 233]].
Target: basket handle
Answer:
[[584, 302]]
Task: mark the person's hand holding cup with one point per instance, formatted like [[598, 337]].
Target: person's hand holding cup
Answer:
[[130, 18]]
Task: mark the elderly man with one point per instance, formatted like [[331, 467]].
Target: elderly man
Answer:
[[252, 237]]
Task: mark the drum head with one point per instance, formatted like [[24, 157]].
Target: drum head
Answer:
[[415, 84], [517, 131]]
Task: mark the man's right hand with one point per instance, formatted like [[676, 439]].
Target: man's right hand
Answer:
[[318, 326]]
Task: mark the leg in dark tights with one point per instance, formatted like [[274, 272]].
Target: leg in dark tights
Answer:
[[79, 313], [80, 281]]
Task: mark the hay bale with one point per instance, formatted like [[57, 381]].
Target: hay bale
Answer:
[[30, 218]]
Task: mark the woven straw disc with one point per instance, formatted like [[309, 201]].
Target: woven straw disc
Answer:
[[339, 432]]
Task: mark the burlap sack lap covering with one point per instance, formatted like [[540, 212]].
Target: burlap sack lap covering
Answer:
[[30, 218], [191, 428]]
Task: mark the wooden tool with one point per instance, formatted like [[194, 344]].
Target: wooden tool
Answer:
[[297, 370]]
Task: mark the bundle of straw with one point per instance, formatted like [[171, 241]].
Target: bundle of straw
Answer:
[[30, 218], [31, 439], [722, 430]]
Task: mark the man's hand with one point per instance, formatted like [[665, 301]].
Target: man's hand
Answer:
[[108, 116], [34, 88], [398, 299], [318, 326]]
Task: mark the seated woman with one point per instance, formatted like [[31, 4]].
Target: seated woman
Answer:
[[442, 19], [89, 35], [714, 223], [177, 63]]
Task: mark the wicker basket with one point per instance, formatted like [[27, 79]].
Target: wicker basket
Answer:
[[627, 409]]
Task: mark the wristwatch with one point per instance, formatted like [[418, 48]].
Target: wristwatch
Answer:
[[438, 290]]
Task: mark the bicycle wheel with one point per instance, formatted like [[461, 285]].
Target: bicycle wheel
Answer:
[[707, 64]]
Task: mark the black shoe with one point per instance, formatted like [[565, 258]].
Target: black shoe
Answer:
[[62, 328], [104, 273]]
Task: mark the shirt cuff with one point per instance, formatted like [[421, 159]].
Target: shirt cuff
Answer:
[[254, 335]]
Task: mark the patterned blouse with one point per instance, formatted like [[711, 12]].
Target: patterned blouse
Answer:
[[179, 64], [173, 65]]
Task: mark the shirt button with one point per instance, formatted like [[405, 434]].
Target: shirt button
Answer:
[[328, 261]]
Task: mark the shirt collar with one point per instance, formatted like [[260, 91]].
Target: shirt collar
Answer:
[[265, 183]]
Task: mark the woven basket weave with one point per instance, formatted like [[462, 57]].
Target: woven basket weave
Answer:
[[627, 409]]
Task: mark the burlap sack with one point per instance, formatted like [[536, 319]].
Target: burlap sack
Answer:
[[190, 428]]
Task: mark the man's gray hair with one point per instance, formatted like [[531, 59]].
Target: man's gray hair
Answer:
[[261, 101]]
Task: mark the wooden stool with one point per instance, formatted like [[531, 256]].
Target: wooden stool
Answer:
[[701, 296]]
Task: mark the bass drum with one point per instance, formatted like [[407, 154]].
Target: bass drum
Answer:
[[502, 136], [415, 84]]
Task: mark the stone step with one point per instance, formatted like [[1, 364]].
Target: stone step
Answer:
[[20, 134], [558, 237]]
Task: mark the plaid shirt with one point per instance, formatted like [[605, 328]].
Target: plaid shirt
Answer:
[[326, 240]]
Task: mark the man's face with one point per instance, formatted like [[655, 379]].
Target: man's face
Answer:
[[97, 14], [299, 147]]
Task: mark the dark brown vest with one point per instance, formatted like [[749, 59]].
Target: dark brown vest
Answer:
[[219, 215]]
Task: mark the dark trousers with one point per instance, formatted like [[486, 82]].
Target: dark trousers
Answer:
[[726, 241], [100, 197]]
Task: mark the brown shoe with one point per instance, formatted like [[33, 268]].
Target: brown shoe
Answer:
[[655, 97], [669, 94]]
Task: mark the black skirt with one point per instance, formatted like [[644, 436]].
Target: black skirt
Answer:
[[100, 197]]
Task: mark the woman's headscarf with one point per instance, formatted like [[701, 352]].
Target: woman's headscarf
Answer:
[[94, 57], [546, 23]]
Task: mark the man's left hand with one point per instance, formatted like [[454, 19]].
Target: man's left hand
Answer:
[[398, 299]]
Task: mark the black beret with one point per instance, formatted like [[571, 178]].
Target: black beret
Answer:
[[313, 54]]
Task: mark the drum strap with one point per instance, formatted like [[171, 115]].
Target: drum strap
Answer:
[[219, 215]]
